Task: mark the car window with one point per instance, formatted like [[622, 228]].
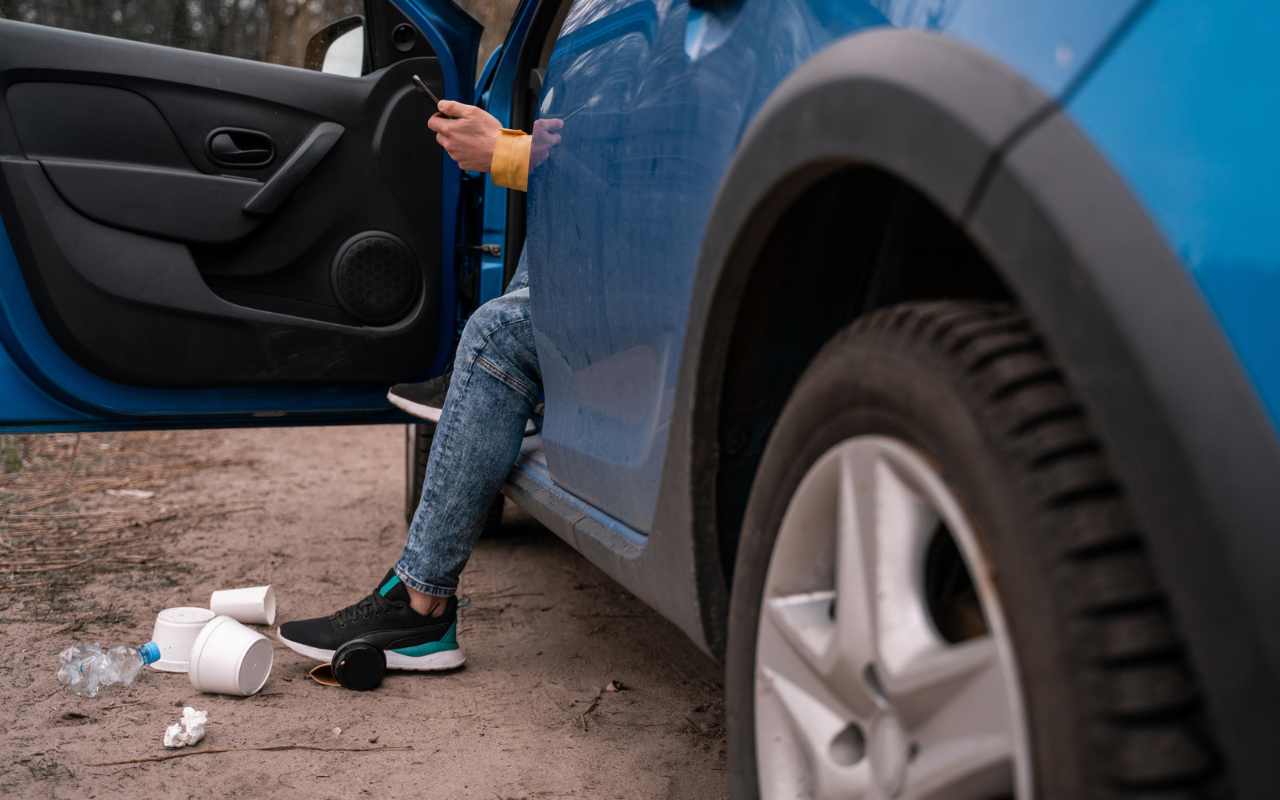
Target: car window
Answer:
[[274, 31]]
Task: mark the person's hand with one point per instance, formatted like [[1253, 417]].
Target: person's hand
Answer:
[[468, 137], [546, 135]]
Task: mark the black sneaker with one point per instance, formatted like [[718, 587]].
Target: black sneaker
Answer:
[[384, 618], [425, 399]]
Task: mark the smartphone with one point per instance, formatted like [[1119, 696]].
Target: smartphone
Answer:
[[425, 89]]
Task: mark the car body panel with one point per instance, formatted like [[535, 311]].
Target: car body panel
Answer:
[[25, 400], [660, 96], [1187, 110]]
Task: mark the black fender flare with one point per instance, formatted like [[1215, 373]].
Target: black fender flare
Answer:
[[1185, 431]]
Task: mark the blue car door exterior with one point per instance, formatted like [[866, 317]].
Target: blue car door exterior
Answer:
[[42, 388], [655, 98], [1195, 136]]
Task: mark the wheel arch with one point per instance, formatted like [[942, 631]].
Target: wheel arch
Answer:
[[966, 145], [905, 111]]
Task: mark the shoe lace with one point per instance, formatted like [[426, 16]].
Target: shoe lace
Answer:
[[370, 606]]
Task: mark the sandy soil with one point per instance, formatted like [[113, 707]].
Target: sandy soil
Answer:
[[318, 513]]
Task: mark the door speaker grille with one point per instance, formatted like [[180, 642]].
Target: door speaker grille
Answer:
[[376, 277]]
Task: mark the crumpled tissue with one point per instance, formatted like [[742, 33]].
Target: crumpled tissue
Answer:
[[188, 730]]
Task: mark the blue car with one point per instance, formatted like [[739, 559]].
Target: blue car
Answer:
[[917, 358]]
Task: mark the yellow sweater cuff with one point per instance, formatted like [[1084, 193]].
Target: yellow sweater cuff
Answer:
[[510, 165]]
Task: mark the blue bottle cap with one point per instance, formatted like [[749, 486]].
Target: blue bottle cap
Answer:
[[150, 652]]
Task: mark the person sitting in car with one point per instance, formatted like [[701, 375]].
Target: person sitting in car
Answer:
[[481, 409]]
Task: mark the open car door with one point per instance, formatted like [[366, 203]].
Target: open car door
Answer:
[[196, 239]]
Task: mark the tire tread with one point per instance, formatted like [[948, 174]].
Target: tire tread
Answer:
[[1151, 733]]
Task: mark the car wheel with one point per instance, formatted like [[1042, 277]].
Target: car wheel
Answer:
[[418, 440], [940, 592]]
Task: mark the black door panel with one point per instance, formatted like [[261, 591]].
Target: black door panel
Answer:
[[150, 270], [100, 123], [171, 203]]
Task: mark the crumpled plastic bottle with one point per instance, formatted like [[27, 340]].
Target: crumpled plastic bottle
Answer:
[[87, 669]]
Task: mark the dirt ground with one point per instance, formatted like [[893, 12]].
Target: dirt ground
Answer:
[[318, 513]]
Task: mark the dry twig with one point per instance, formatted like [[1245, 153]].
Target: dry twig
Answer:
[[275, 748]]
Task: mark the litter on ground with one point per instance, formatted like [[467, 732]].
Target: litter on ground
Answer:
[[187, 731]]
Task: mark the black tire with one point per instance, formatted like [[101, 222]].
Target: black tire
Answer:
[[1113, 709], [418, 440]]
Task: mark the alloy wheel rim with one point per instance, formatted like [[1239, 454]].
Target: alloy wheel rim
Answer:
[[858, 692]]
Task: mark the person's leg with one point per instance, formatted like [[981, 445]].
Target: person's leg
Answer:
[[496, 385], [425, 399], [412, 612]]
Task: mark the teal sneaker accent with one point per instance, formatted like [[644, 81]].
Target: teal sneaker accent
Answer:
[[447, 642], [391, 583]]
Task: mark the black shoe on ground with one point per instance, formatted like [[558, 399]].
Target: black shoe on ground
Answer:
[[384, 618], [425, 399]]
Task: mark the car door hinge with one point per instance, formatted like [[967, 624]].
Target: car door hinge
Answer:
[[494, 250]]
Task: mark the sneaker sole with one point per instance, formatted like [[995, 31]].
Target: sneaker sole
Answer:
[[429, 413], [432, 414], [435, 662]]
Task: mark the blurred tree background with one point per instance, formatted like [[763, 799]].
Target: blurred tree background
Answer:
[[496, 16], [275, 31]]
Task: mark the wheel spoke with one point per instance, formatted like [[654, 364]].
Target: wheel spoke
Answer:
[[904, 524], [955, 701], [884, 529], [964, 677], [794, 642], [974, 767], [837, 767], [855, 643], [805, 621]]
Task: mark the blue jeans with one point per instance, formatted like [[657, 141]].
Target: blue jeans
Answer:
[[495, 388]]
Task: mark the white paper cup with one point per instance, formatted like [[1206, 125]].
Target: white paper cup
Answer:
[[175, 631], [255, 605], [229, 658]]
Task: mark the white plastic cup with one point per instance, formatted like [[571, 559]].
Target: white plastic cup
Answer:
[[230, 658], [175, 631], [255, 605]]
